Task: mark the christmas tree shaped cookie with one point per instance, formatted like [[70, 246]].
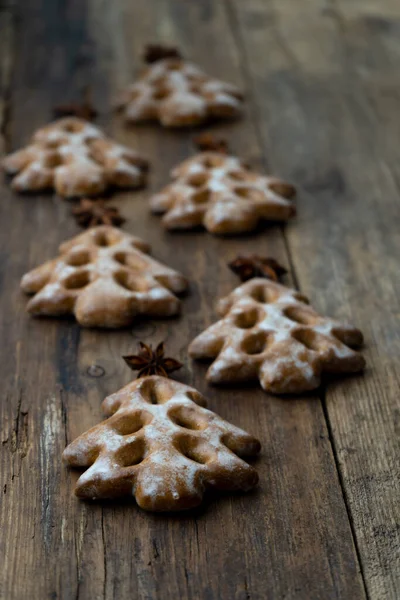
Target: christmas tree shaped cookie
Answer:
[[177, 93], [74, 158], [105, 278], [161, 446], [217, 191], [268, 331]]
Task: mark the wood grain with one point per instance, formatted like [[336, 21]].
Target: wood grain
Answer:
[[332, 87], [292, 538]]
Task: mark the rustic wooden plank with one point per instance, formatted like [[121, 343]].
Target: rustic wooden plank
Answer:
[[293, 538], [326, 83], [7, 26], [41, 551], [297, 432]]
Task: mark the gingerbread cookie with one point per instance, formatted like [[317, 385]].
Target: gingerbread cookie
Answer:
[[162, 447], [269, 332], [219, 192], [177, 93], [74, 158], [105, 279]]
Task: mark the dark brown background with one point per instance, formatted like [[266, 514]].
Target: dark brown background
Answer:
[[322, 83]]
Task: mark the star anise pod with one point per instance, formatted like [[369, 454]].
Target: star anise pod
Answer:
[[155, 52], [152, 362], [247, 267], [82, 110], [90, 213], [207, 141]]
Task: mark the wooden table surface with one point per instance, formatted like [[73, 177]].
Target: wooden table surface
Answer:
[[323, 103]]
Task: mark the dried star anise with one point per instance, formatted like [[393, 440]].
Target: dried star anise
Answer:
[[247, 267], [207, 141], [155, 52], [82, 110], [90, 213], [152, 362]]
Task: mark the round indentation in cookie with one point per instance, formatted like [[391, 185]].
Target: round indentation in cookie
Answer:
[[52, 160], [249, 193], [309, 338], [77, 280], [132, 453], [195, 449], [105, 238], [156, 391], [126, 424], [255, 343], [187, 418], [352, 337], [55, 142], [213, 161], [120, 257], [247, 318], [101, 239], [196, 397], [238, 175], [197, 179], [264, 294], [89, 139], [301, 298], [299, 315], [78, 258], [161, 93], [131, 282], [202, 196], [130, 260], [241, 445], [283, 189], [73, 126]]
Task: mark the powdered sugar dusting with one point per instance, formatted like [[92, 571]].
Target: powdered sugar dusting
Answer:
[[105, 280], [178, 93], [178, 458], [224, 196], [76, 159], [267, 332]]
